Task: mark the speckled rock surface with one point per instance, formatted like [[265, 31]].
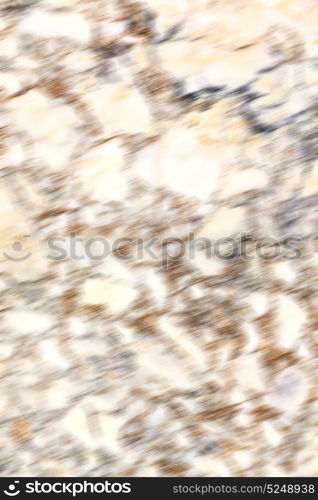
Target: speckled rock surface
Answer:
[[125, 121]]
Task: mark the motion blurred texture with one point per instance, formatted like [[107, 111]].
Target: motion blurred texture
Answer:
[[155, 119]]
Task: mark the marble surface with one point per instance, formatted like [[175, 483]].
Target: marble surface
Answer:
[[158, 118]]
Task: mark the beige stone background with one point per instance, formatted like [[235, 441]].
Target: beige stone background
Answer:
[[153, 119]]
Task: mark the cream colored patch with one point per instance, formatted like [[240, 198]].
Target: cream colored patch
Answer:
[[243, 458], [273, 437], [61, 3], [115, 295], [101, 431], [180, 162], [214, 467], [25, 322], [10, 82], [115, 268], [156, 284], [59, 394], [244, 180], [212, 56], [259, 303], [206, 264], [76, 327], [109, 427], [12, 221], [75, 422], [248, 373], [202, 64], [5, 351], [284, 272], [101, 174], [13, 156], [54, 25], [52, 128], [167, 368], [252, 337], [50, 354], [120, 108], [291, 320], [8, 47], [307, 457], [311, 184], [223, 223]]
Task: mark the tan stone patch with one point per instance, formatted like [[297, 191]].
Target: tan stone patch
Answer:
[[21, 430]]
